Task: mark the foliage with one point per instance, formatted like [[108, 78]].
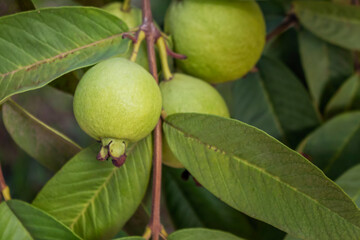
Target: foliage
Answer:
[[286, 163]]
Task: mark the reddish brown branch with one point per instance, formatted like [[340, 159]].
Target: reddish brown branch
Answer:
[[288, 22], [152, 34], [355, 2], [128, 35]]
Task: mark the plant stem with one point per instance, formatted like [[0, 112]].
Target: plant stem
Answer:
[[163, 58], [152, 34], [136, 47], [4, 189], [126, 5], [288, 22]]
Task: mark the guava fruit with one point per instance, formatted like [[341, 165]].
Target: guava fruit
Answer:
[[133, 19], [117, 102], [223, 39], [186, 94]]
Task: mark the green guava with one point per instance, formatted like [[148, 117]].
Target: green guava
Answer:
[[223, 39], [117, 102], [185, 94], [133, 19]]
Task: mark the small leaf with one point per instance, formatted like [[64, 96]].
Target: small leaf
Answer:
[[257, 175], [93, 198], [52, 42], [20, 220], [275, 101], [46, 145], [350, 182], [334, 147], [201, 234], [326, 66], [193, 206], [335, 23], [346, 98]]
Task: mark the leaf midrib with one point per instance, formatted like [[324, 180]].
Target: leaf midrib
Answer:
[[33, 66], [275, 178]]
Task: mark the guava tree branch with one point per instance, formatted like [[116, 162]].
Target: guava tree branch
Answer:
[[151, 35], [289, 21]]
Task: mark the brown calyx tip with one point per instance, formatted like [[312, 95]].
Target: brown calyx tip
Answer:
[[118, 162]]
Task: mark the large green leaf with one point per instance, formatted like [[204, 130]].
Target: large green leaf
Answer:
[[346, 98], [273, 100], [336, 23], [326, 66], [350, 182], [20, 220], [334, 147], [48, 146], [93, 198], [201, 234], [256, 174], [193, 206], [38, 46]]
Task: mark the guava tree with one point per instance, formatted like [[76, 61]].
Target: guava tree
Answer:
[[222, 119]]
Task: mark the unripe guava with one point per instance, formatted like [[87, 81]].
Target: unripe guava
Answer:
[[223, 39], [133, 19], [186, 94], [117, 102]]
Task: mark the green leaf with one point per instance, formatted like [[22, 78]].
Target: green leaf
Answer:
[[52, 42], [53, 3], [335, 23], [20, 220], [346, 98], [193, 206], [275, 101], [285, 47], [46, 145], [350, 182], [257, 175], [93, 198], [326, 66], [334, 147], [201, 234]]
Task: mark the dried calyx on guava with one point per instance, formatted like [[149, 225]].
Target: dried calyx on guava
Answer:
[[117, 102]]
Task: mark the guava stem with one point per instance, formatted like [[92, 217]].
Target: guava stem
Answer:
[[174, 54], [126, 6], [289, 21], [163, 58], [4, 189], [140, 37]]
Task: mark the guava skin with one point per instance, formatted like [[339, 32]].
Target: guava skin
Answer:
[[117, 102], [185, 94], [132, 18], [223, 39]]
